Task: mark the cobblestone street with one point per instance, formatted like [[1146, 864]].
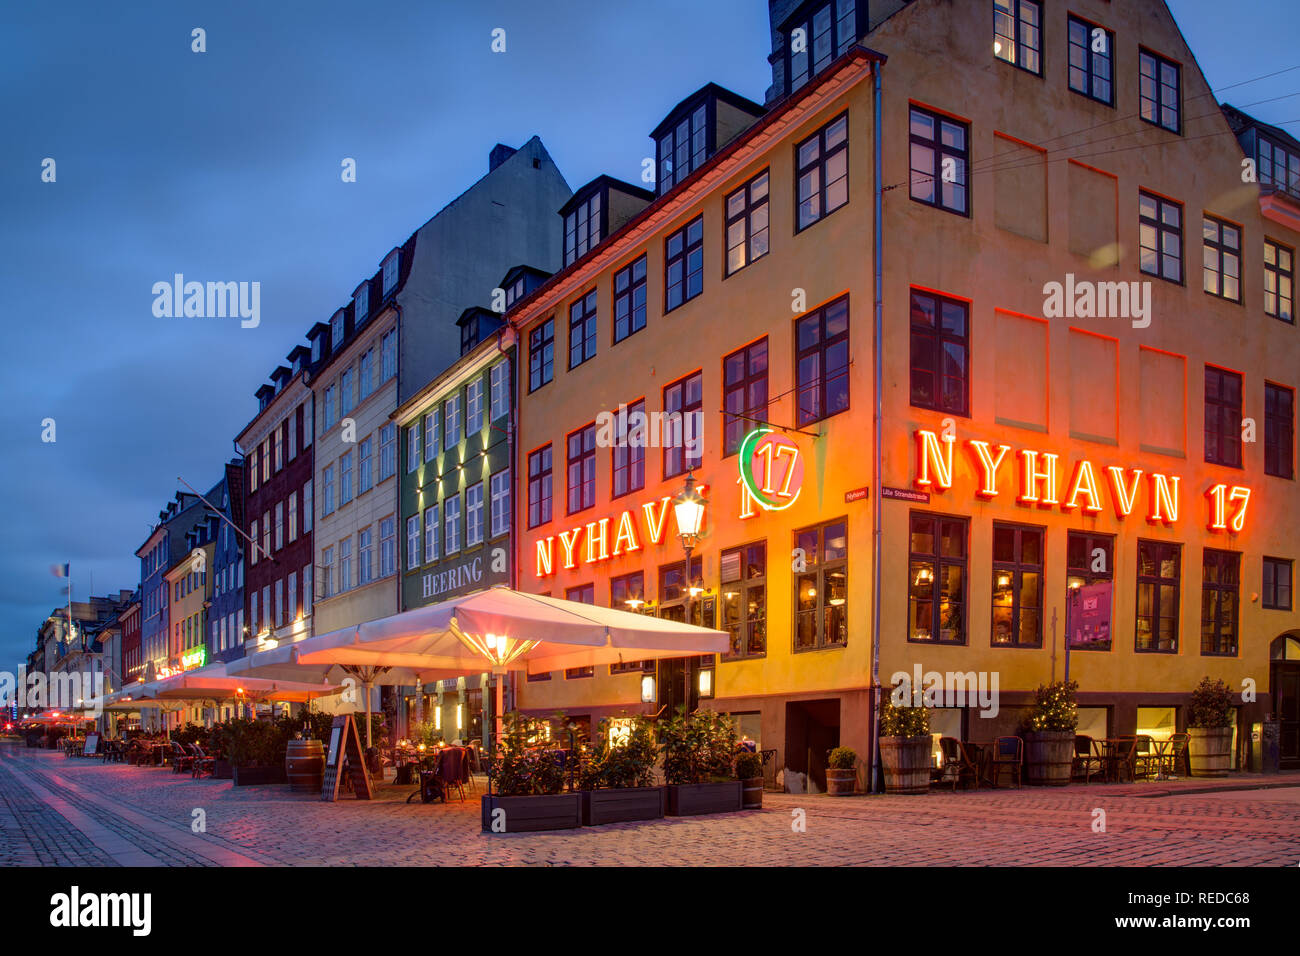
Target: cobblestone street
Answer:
[[60, 811]]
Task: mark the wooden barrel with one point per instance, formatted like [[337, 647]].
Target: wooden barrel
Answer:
[[906, 761], [1049, 755], [751, 794], [1209, 751], [304, 764]]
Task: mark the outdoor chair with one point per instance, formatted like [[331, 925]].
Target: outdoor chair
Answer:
[[202, 763], [1123, 757], [1008, 754], [1176, 754], [452, 769], [1086, 760], [181, 757], [957, 765], [1145, 758]]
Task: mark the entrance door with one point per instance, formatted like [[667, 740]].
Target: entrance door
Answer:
[[812, 730], [1285, 683]]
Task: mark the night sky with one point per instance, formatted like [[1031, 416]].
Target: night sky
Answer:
[[224, 166]]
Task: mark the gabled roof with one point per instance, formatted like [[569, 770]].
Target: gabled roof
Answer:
[[601, 182], [708, 91]]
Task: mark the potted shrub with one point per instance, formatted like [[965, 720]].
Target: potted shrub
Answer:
[[749, 768], [1048, 730], [219, 739], [617, 783], [841, 772], [698, 752], [905, 747], [527, 785], [1209, 727], [255, 754]]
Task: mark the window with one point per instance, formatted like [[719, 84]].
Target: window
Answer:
[[1158, 90], [1017, 33], [451, 419], [365, 465], [1089, 559], [629, 457], [498, 392], [252, 473], [387, 546], [1017, 586], [331, 406], [366, 373], [1223, 417], [451, 518], [361, 304], [308, 426], [936, 579], [390, 272], [279, 447], [1159, 566], [683, 402], [823, 172], [581, 472], [327, 565], [1219, 599], [1279, 281], [431, 527], [336, 330], [308, 503], [582, 329], [1222, 266], [327, 482], [627, 593], [1277, 584], [746, 235], [822, 362], [279, 528], [821, 617], [388, 355], [412, 542], [940, 152], [539, 487], [293, 516], [252, 611], [430, 434], [266, 461], [346, 394], [412, 448], [474, 514], [1279, 430], [629, 299], [365, 556], [387, 451], [345, 478], [826, 30], [292, 589], [292, 429], [744, 600], [684, 264], [744, 393], [1092, 61], [500, 492], [582, 229], [345, 564], [683, 148], [1278, 167], [673, 586], [474, 407], [541, 355], [940, 376], [1160, 236]]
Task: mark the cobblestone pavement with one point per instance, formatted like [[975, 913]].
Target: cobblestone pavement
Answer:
[[60, 811]]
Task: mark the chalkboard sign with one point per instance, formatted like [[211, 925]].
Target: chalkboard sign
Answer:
[[344, 742], [92, 745]]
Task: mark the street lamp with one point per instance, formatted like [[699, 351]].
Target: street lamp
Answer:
[[688, 509]]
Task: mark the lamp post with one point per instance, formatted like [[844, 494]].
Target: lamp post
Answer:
[[688, 508]]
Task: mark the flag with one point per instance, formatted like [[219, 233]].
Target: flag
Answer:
[[61, 570]]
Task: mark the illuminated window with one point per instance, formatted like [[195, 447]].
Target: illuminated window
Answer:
[[683, 402], [1223, 417], [1158, 586], [940, 153], [673, 586], [582, 329], [539, 487], [627, 593], [474, 514], [940, 348], [1089, 560], [431, 430], [747, 223], [1158, 90], [1017, 586], [1222, 260], [744, 393], [412, 542], [1017, 33], [451, 524], [1092, 61], [821, 616], [431, 528], [936, 579], [822, 362], [1277, 584], [1278, 166], [581, 471], [684, 264], [500, 504], [541, 355], [1279, 430], [1279, 281], [821, 32], [629, 460], [1160, 236], [744, 600], [822, 165], [629, 299], [1219, 599]]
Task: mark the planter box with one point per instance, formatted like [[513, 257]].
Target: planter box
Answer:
[[556, 811], [1049, 754], [258, 776], [690, 799], [622, 805], [222, 770], [1209, 751]]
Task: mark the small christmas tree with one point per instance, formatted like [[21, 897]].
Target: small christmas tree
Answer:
[[1054, 708]]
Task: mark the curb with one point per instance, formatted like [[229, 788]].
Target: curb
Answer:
[[1220, 788]]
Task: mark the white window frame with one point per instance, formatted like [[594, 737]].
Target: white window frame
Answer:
[[431, 530], [451, 524], [474, 407], [388, 451], [474, 515], [293, 516], [500, 496], [413, 542], [391, 271], [451, 422], [432, 423], [387, 546], [308, 506], [499, 394]]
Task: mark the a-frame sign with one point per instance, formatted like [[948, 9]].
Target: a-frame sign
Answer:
[[345, 741]]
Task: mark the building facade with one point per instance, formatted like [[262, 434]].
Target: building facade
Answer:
[[226, 629], [160, 552]]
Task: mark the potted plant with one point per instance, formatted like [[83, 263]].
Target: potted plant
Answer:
[[1209, 727], [841, 772], [749, 768], [527, 785], [219, 740], [698, 752], [617, 783], [905, 747], [255, 753], [1048, 730]]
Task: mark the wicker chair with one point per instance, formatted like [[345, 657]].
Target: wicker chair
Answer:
[[1086, 760], [1008, 755], [957, 765]]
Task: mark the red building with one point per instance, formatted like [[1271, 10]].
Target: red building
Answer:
[[132, 658]]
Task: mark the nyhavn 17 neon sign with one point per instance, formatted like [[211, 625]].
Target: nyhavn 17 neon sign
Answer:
[[771, 472], [1038, 482]]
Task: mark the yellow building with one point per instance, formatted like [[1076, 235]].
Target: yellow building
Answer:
[[189, 595], [1086, 420]]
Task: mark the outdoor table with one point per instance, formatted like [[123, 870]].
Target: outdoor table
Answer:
[[979, 754], [1161, 748]]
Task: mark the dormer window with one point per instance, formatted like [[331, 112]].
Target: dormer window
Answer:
[[515, 292], [1279, 167], [468, 335], [815, 35], [390, 271], [683, 148], [336, 329], [315, 349], [361, 304], [582, 229]]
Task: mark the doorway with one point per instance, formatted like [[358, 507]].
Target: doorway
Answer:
[[1284, 680], [812, 730]]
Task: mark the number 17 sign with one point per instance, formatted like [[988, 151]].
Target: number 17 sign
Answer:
[[771, 472]]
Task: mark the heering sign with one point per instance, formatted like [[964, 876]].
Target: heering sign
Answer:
[[605, 538], [771, 472], [458, 576], [1038, 481]]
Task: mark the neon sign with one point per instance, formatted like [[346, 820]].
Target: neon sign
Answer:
[[195, 658], [1037, 476], [604, 538], [771, 472]]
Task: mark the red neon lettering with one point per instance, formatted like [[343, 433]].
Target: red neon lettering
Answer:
[[654, 525], [625, 536], [598, 544], [1218, 507], [1123, 496], [1031, 476], [545, 556], [568, 539], [988, 466], [1164, 499], [1241, 494], [929, 453], [1085, 483]]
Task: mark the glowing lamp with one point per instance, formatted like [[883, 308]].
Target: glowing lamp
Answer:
[[648, 689], [706, 683], [688, 509], [695, 590], [634, 603]]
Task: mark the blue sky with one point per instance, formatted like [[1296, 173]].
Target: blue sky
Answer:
[[225, 166]]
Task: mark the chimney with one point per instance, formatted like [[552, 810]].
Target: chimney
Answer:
[[500, 153]]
